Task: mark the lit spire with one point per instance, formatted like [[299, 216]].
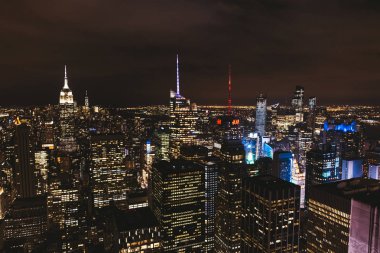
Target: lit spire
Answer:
[[66, 84], [229, 90], [177, 77]]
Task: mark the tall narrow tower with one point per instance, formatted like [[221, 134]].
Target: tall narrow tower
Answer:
[[183, 119], [86, 101], [229, 90], [25, 180], [261, 114], [66, 116], [177, 76]]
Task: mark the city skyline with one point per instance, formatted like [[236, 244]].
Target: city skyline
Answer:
[[330, 49], [189, 126]]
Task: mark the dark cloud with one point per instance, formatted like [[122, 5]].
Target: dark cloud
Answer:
[[123, 52]]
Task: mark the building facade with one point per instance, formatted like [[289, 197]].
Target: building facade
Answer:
[[270, 215], [178, 202]]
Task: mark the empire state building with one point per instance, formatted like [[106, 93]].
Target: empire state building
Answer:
[[66, 117]]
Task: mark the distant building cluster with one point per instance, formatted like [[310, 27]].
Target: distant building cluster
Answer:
[[181, 177]]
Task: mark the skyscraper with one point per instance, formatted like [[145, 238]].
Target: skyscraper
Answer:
[[211, 168], [312, 114], [86, 101], [340, 217], [24, 174], [322, 166], [210, 165], [178, 202], [64, 209], [66, 117], [261, 114], [183, 118], [25, 225], [108, 170], [283, 165], [270, 215], [228, 202], [297, 103], [347, 137]]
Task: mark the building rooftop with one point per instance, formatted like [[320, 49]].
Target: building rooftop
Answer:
[[131, 219], [106, 137], [362, 189], [177, 165], [194, 151], [270, 182], [21, 203], [136, 218]]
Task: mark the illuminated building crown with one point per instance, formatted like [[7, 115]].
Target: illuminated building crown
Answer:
[[66, 95]]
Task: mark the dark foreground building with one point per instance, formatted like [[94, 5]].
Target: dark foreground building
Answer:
[[24, 227]]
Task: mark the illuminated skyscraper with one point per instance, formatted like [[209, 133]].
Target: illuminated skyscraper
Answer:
[[283, 165], [163, 135], [64, 209], [270, 215], [297, 103], [312, 114], [343, 216], [86, 101], [347, 137], [298, 178], [303, 143], [228, 202], [47, 135], [66, 117], [210, 165], [261, 115], [146, 172], [183, 118], [41, 170], [322, 166], [178, 202], [108, 170], [211, 168]]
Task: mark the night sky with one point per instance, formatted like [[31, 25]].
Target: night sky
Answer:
[[124, 52]]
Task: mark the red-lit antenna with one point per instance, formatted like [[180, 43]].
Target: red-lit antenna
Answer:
[[229, 90]]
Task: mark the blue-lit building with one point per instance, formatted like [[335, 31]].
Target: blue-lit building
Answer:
[[374, 171], [352, 168], [255, 147], [283, 165], [250, 147], [345, 127], [322, 166], [267, 150], [347, 138]]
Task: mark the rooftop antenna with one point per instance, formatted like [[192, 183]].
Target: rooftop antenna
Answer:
[[229, 90], [66, 84], [177, 77]]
